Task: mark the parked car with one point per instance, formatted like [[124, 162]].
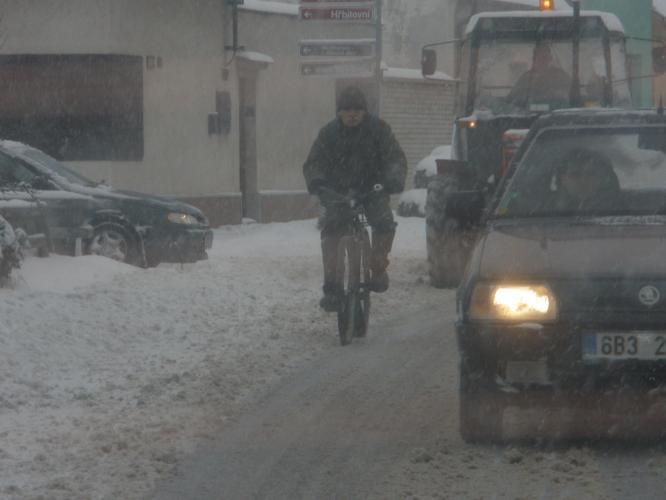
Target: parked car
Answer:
[[563, 302], [130, 227], [412, 202]]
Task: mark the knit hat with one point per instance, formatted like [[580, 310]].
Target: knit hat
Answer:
[[352, 98]]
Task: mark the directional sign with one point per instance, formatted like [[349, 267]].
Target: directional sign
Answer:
[[342, 14], [338, 48], [354, 68]]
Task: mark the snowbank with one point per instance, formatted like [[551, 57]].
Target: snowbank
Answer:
[[110, 374]]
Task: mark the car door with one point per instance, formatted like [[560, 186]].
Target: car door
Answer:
[[31, 200]]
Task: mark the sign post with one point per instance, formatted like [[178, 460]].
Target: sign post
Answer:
[[336, 58]]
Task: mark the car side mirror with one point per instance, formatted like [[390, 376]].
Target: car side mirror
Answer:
[[428, 62], [465, 206]]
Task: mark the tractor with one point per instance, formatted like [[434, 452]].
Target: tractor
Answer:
[[512, 67]]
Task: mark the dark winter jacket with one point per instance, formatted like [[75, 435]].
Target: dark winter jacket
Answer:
[[344, 158]]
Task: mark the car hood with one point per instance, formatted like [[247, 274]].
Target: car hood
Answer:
[[629, 246], [122, 196]]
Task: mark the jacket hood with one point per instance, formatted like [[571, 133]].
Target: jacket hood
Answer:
[[627, 246]]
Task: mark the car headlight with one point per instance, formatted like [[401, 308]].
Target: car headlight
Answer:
[[179, 218], [517, 303]]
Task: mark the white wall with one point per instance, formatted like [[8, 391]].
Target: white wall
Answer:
[[180, 158], [290, 108]]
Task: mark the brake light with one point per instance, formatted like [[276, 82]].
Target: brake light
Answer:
[[511, 141]]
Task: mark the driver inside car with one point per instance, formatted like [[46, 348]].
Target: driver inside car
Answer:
[[585, 181], [545, 83]]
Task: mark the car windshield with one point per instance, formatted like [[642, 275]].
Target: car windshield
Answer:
[[590, 171], [519, 76], [56, 167]]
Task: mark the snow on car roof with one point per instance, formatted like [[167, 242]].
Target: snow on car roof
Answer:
[[611, 21], [14, 146]]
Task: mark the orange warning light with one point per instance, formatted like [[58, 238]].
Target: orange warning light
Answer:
[[547, 4]]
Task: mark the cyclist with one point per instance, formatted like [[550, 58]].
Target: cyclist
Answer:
[[354, 152]]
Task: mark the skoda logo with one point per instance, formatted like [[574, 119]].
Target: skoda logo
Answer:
[[649, 295]]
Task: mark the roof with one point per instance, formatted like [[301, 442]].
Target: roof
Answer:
[[256, 57], [412, 74], [270, 7], [611, 21], [599, 116]]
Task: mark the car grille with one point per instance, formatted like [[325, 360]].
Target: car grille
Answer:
[[615, 301]]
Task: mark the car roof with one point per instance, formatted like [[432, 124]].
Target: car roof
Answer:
[[599, 117]]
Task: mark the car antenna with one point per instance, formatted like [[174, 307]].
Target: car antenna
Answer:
[[660, 109]]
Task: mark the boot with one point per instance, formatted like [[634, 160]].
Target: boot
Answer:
[[329, 252], [381, 246]]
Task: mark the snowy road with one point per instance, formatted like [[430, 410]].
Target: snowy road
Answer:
[[333, 431], [378, 420], [227, 375]]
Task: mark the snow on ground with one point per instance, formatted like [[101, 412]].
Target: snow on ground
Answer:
[[110, 374]]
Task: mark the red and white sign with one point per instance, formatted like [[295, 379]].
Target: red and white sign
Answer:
[[342, 14]]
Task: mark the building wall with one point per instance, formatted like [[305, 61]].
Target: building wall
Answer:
[[290, 108], [636, 16], [180, 158]]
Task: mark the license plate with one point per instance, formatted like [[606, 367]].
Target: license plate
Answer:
[[634, 345]]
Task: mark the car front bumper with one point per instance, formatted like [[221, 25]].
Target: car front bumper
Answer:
[[182, 245], [550, 357]]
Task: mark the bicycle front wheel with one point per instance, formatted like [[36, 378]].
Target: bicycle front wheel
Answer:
[[348, 274], [363, 313]]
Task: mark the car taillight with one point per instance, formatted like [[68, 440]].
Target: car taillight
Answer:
[[511, 141]]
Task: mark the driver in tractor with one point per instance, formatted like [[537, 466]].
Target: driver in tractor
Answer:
[[546, 82]]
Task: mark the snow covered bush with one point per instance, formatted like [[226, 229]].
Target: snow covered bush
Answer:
[[412, 201]]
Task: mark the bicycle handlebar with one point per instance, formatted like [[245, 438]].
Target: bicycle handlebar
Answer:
[[352, 197]]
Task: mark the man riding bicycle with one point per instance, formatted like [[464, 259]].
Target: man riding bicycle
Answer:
[[355, 152]]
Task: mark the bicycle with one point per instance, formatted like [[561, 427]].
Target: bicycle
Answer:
[[353, 268]]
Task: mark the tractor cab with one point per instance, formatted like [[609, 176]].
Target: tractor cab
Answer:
[[524, 63], [515, 66]]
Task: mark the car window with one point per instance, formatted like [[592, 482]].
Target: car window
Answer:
[[56, 167], [13, 171], [631, 178]]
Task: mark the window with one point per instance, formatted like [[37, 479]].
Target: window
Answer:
[[74, 107]]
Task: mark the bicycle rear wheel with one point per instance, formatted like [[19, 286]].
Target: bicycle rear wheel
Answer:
[[348, 274]]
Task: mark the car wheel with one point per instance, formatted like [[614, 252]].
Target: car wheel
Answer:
[[446, 255], [480, 410], [112, 240]]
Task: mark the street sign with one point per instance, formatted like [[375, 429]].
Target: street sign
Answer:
[[364, 47], [354, 68], [354, 14], [335, 1]]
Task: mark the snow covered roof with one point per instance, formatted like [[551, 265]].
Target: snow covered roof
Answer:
[[559, 5], [270, 7], [412, 74], [256, 57], [611, 21]]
